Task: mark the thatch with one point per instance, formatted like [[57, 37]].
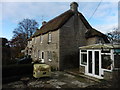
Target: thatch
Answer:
[[60, 20], [30, 38], [93, 32], [55, 23], [85, 22]]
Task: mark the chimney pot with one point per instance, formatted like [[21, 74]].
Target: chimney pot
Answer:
[[44, 22], [74, 6]]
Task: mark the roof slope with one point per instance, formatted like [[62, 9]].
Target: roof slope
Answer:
[[60, 20], [55, 23]]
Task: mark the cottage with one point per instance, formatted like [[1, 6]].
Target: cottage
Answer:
[[98, 60], [56, 43]]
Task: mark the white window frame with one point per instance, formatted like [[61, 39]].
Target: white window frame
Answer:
[[112, 57], [49, 53], [34, 40], [35, 53], [49, 37], [39, 56], [81, 59], [42, 58], [41, 38]]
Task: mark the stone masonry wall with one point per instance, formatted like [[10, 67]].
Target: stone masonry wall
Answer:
[[72, 36], [53, 47]]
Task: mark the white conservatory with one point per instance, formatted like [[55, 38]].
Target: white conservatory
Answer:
[[98, 60]]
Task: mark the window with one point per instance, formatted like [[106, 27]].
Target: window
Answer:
[[34, 53], [49, 37], [35, 40], [49, 56], [39, 54], [84, 57], [117, 61], [105, 51], [42, 55], [106, 61], [41, 38]]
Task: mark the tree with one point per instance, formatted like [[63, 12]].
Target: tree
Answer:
[[25, 30], [6, 54], [114, 36]]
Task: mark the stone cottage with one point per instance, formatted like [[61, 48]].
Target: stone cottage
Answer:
[[57, 42]]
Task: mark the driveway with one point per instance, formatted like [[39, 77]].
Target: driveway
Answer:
[[58, 79]]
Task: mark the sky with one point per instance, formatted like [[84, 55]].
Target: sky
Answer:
[[105, 19]]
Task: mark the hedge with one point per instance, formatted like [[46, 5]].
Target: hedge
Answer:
[[17, 70]]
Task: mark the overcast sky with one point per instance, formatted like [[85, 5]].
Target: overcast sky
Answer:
[[104, 19]]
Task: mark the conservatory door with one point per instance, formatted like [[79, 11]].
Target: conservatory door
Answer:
[[94, 63]]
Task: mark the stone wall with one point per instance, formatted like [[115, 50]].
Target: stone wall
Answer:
[[82, 69], [72, 36], [107, 75], [52, 47]]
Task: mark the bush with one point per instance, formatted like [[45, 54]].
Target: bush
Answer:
[[17, 70]]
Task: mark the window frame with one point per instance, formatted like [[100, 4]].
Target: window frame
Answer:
[[49, 37], [41, 38], [110, 54], [49, 55], [81, 52]]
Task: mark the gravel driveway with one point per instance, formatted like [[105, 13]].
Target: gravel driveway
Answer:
[[57, 80]]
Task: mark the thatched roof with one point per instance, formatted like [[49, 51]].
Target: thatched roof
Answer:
[[93, 32], [55, 23], [60, 20]]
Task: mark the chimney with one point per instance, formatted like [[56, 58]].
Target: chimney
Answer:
[[44, 22], [74, 6]]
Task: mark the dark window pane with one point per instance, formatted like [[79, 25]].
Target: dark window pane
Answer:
[[97, 62], [106, 62], [84, 59], [90, 61], [83, 50], [105, 51], [42, 55], [117, 61]]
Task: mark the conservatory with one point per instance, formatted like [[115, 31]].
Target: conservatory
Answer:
[[98, 60]]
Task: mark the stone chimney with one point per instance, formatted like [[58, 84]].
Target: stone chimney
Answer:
[[74, 6], [44, 22]]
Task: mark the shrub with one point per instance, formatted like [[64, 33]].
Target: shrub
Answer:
[[17, 70]]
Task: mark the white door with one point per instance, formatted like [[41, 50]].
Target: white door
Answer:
[[94, 63]]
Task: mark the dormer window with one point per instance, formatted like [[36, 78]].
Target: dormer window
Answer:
[[49, 37]]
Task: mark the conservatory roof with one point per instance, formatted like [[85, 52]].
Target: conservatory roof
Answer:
[[99, 46]]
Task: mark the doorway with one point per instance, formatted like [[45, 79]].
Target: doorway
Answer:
[[94, 63]]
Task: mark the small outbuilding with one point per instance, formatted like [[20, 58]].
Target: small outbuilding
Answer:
[[99, 60]]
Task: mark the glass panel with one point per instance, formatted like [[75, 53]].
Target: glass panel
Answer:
[[106, 62], [117, 61], [105, 51], [42, 55], [90, 61], [84, 59], [83, 50], [96, 62], [49, 37]]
